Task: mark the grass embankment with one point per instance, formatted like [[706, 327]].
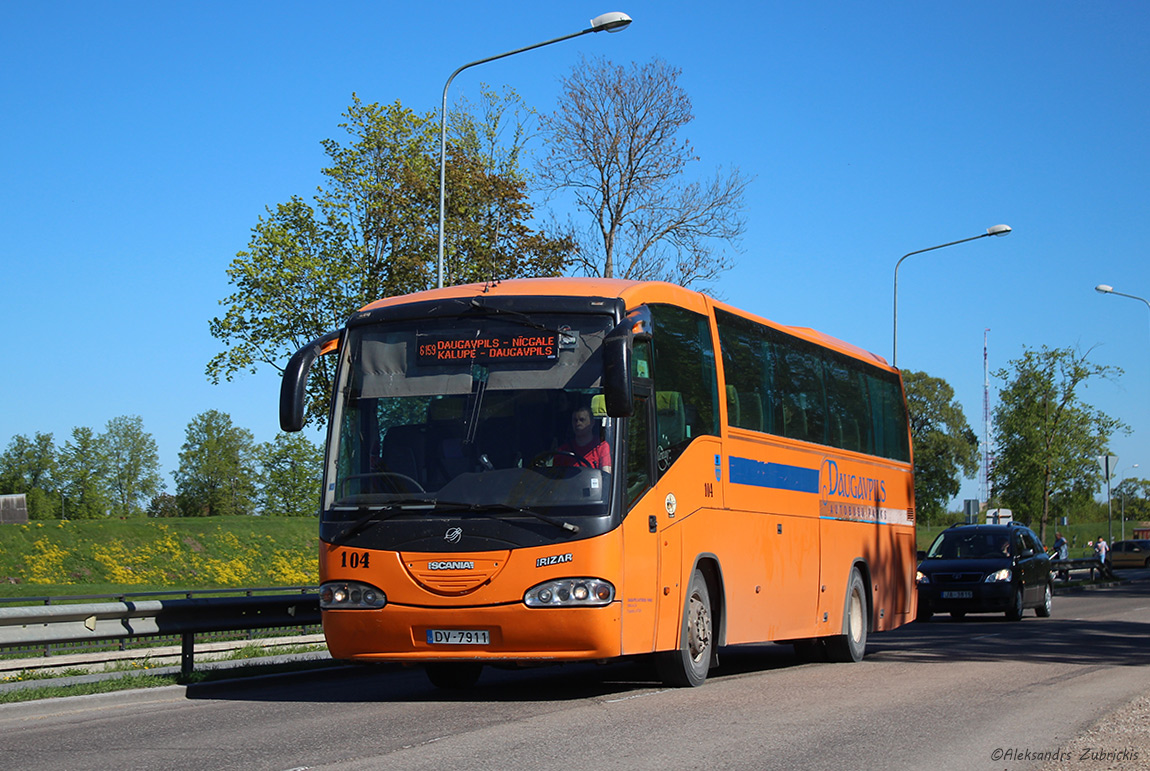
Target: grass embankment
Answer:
[[81, 557]]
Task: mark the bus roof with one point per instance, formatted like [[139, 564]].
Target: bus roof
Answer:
[[632, 292]]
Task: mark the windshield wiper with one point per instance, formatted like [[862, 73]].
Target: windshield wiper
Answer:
[[520, 318], [504, 507], [377, 514]]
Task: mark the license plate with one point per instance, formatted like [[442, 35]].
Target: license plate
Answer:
[[957, 595], [458, 637]]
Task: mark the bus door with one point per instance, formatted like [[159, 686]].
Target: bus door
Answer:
[[642, 566]]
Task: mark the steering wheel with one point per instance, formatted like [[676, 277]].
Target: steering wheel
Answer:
[[541, 459]]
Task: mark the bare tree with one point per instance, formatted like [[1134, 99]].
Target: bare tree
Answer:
[[614, 144]]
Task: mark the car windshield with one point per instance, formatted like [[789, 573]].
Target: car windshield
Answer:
[[478, 412], [970, 544]]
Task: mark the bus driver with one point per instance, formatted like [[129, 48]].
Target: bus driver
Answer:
[[588, 448]]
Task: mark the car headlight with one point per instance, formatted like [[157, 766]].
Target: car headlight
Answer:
[[350, 595], [998, 576], [921, 578], [569, 593]]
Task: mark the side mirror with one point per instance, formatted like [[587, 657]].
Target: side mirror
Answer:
[[617, 371], [921, 555], [293, 387]]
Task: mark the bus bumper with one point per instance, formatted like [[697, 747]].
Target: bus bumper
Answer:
[[513, 633]]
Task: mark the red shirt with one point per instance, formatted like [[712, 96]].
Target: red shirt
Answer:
[[596, 455]]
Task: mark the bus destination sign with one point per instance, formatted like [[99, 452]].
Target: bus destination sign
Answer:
[[445, 349]]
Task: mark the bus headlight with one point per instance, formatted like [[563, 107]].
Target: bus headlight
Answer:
[[921, 578], [570, 593], [350, 595]]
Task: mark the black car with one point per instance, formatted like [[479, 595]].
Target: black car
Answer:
[[984, 569]]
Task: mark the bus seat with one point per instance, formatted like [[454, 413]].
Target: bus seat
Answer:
[[671, 417], [446, 458], [733, 412], [794, 422]]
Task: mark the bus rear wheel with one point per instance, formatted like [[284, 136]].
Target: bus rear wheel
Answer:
[[851, 644], [454, 675], [688, 665]]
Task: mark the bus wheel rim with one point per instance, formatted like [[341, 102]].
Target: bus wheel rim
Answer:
[[856, 620], [699, 629]]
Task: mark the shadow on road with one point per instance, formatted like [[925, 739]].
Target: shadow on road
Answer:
[[394, 683], [1055, 639], [985, 637]]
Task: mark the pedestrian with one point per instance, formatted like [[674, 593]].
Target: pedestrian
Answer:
[[1061, 554], [1102, 552]]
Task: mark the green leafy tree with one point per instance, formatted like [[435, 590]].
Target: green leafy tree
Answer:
[[372, 233], [1047, 438], [29, 466], [83, 472], [164, 505], [1132, 499], [291, 468], [945, 447], [614, 143], [217, 468], [133, 465]]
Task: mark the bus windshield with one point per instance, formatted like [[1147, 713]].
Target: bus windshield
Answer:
[[495, 412]]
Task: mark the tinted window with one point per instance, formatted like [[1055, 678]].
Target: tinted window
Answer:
[[638, 453], [686, 383], [783, 385], [749, 367], [800, 376]]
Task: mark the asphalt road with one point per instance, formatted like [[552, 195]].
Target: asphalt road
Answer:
[[981, 693]]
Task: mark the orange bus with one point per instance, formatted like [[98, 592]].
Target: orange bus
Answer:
[[550, 470]]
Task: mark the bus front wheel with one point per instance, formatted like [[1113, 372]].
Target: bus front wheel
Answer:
[[851, 644], [688, 666]]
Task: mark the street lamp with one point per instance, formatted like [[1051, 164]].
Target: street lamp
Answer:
[[1107, 289], [1123, 515], [997, 230], [607, 22]]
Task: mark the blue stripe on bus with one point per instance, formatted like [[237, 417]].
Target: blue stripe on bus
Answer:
[[777, 476]]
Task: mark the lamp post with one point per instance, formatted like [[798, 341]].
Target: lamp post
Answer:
[[1123, 515], [1107, 289], [607, 22], [997, 230]]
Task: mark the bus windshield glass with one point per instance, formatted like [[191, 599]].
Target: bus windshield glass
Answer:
[[494, 411]]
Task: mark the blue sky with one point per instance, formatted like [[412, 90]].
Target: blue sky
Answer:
[[143, 140]]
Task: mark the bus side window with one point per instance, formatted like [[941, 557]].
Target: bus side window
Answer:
[[641, 359], [686, 379], [638, 452]]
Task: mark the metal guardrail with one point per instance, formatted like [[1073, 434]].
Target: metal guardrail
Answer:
[[95, 621], [1062, 568], [63, 599]]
